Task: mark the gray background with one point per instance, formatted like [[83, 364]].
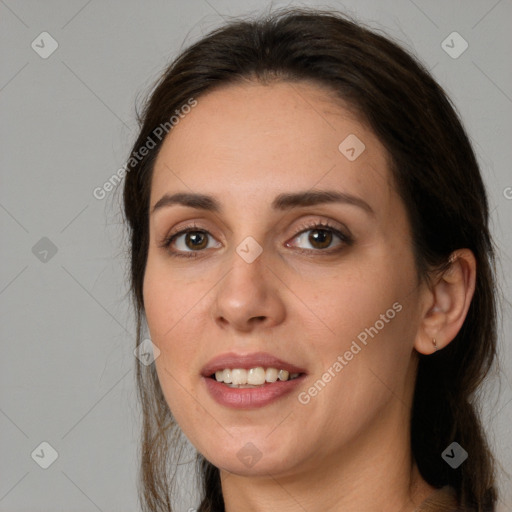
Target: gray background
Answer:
[[67, 124]]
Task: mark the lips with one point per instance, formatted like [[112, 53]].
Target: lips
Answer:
[[249, 397], [248, 361]]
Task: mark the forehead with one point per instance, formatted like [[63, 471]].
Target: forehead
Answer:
[[245, 138]]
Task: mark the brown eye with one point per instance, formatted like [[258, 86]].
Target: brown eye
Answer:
[[320, 237], [188, 242], [196, 239]]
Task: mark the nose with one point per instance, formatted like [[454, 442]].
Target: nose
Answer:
[[249, 296]]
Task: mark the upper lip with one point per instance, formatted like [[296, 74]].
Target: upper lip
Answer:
[[246, 361]]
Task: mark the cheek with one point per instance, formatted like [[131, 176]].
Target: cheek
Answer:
[[352, 299], [171, 308], [166, 301], [166, 314], [366, 313], [363, 358]]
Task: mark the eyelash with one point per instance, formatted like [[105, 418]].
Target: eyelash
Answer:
[[321, 226]]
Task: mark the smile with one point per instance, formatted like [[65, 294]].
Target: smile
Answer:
[[250, 380], [253, 377]]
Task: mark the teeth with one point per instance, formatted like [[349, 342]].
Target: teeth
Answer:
[[237, 377], [271, 375], [283, 375], [256, 376]]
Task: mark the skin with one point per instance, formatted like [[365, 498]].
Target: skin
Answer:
[[349, 447]]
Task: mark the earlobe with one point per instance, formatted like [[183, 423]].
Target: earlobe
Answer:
[[449, 300]]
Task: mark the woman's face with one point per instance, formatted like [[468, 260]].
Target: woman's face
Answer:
[[258, 285]]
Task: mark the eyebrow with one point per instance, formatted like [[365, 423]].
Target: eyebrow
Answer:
[[282, 202]]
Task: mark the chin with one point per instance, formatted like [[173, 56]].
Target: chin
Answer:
[[256, 457], [262, 467]]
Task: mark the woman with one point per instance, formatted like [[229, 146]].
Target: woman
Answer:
[[310, 250]]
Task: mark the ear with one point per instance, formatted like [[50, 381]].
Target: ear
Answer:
[[446, 303]]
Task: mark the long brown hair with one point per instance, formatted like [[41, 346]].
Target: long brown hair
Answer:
[[437, 176]]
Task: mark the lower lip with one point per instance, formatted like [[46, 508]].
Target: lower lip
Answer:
[[250, 398]]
